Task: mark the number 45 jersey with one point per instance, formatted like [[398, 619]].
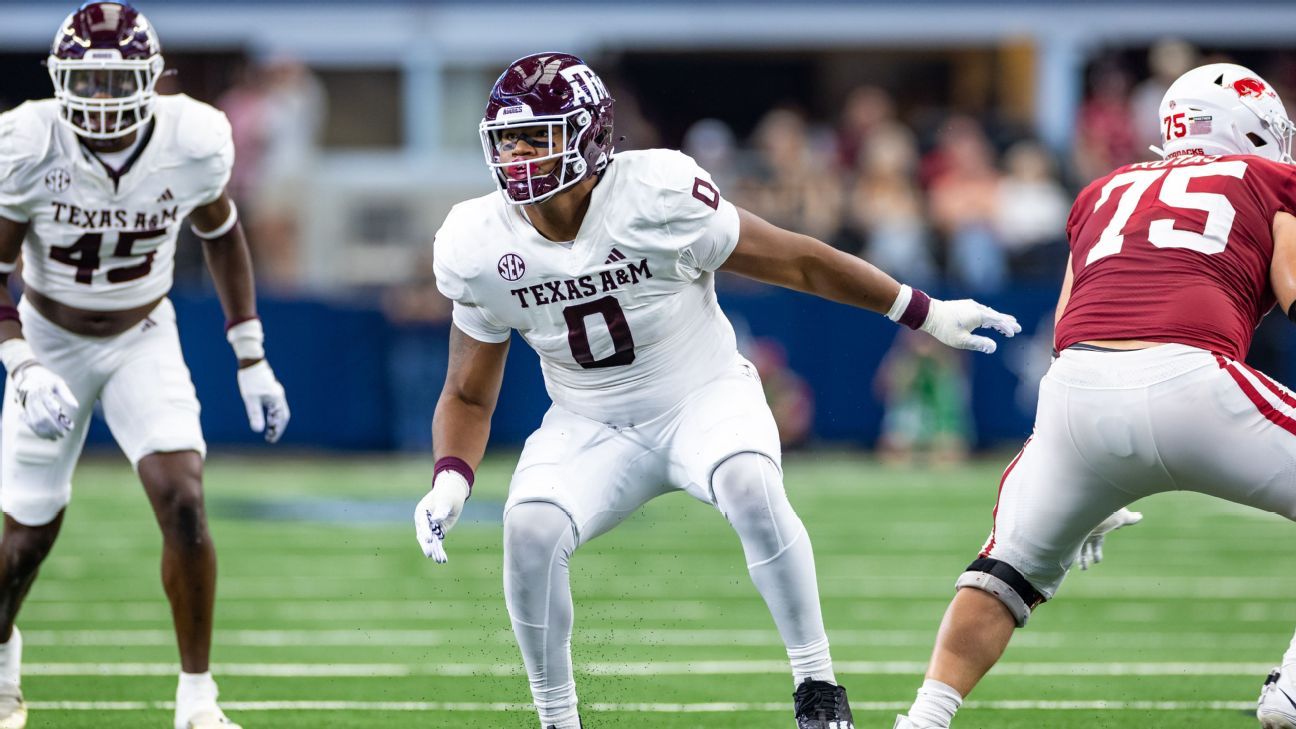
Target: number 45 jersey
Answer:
[[99, 240], [624, 317], [1176, 250]]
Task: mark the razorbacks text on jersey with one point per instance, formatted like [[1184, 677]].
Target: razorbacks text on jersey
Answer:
[[624, 317], [100, 240], [1176, 250]]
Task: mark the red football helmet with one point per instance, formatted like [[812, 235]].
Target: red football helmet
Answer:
[[559, 92], [105, 62]]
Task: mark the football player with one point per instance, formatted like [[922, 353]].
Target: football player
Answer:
[[94, 186], [605, 267], [1173, 264]]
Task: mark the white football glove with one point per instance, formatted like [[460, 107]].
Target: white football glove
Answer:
[[1091, 552], [952, 322], [438, 511], [263, 396], [48, 406]]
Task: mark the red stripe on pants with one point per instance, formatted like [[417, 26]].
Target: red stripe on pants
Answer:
[[995, 514]]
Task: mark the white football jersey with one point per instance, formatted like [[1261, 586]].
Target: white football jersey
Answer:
[[100, 241], [624, 318]]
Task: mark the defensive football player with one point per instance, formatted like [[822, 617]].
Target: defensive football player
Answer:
[[604, 264], [1173, 264], [94, 186]]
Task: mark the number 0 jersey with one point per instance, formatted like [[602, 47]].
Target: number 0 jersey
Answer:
[[1176, 250], [624, 317], [99, 242]]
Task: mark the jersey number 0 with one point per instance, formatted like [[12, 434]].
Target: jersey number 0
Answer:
[[618, 328]]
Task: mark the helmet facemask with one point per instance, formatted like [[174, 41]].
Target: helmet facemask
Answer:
[[1280, 130], [521, 180], [103, 96]]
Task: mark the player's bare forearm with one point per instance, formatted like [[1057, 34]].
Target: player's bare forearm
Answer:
[[229, 260], [230, 263], [766, 252], [1282, 271], [12, 234], [461, 424]]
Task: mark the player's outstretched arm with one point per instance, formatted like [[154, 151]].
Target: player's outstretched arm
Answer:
[[1282, 270], [230, 262], [460, 429], [768, 253], [47, 402]]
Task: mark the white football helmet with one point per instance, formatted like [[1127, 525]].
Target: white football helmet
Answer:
[[1224, 108]]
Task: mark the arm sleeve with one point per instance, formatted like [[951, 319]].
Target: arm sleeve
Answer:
[[695, 214]]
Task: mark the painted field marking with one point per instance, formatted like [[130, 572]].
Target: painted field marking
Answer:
[[652, 708], [679, 668]]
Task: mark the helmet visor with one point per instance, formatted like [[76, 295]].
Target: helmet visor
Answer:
[[104, 83]]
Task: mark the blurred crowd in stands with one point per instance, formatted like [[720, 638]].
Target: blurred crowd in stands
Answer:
[[959, 203]]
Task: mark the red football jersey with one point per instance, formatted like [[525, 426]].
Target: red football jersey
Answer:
[[1176, 250]]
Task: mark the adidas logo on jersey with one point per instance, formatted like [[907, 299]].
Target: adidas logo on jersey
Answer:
[[615, 256], [166, 196]]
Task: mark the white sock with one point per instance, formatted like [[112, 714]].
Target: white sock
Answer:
[[811, 661], [196, 691], [1288, 661], [936, 705], [11, 658]]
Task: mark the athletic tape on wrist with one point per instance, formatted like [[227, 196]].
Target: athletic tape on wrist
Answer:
[[224, 227], [458, 465], [247, 338], [15, 353]]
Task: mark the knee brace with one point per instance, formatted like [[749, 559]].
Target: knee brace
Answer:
[[1004, 582]]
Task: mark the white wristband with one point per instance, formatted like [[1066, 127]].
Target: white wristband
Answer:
[[901, 303], [224, 227], [248, 339], [15, 353]]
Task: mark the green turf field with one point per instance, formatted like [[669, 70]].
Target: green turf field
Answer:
[[329, 616]]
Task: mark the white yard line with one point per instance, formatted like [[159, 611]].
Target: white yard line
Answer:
[[667, 637], [652, 708], [873, 668]]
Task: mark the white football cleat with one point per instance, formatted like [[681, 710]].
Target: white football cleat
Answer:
[[208, 719], [13, 712], [1277, 709]]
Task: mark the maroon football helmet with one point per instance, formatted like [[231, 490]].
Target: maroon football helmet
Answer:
[[105, 62], [547, 100]]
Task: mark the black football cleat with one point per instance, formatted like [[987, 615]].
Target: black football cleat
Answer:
[[822, 705]]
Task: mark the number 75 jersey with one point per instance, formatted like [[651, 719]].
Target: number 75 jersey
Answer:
[[1176, 250], [624, 317], [100, 240]]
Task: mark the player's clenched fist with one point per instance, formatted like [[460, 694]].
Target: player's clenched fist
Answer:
[[438, 511], [48, 406], [263, 396]]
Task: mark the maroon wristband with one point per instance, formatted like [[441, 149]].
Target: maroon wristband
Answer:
[[916, 312], [458, 465], [9, 313]]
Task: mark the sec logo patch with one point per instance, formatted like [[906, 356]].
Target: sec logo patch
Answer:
[[58, 180], [511, 267]]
